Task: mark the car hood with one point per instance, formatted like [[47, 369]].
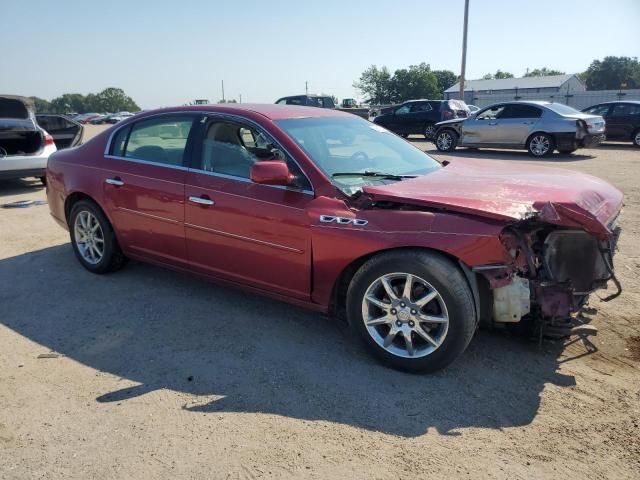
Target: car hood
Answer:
[[453, 120], [508, 192]]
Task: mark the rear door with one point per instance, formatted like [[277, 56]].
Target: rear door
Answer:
[[66, 133], [243, 231], [144, 185]]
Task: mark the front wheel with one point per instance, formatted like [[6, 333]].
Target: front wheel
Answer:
[[636, 138], [446, 141], [540, 145], [93, 239], [413, 310]]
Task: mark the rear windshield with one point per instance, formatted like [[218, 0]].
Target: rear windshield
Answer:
[[11, 108], [562, 109]]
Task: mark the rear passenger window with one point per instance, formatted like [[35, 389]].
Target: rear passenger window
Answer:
[[520, 111], [119, 141], [160, 140]]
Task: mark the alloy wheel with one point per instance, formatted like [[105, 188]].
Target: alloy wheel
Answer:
[[444, 141], [636, 139], [405, 315], [89, 237], [539, 145], [429, 131]]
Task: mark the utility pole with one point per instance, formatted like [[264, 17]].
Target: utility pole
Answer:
[[464, 48], [306, 87], [240, 95], [223, 100]]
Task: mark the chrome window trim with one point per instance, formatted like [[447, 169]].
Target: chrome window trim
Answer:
[[229, 116], [147, 162]]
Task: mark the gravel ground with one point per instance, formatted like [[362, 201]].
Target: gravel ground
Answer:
[[154, 374]]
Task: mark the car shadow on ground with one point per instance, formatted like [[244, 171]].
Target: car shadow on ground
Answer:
[[165, 330], [20, 186]]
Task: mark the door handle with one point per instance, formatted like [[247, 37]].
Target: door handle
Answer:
[[493, 123], [114, 181], [202, 200], [528, 123]]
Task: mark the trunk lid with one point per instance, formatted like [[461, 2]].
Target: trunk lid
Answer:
[[17, 114], [508, 192]]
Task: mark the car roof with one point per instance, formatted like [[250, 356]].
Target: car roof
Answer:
[[618, 101], [267, 110]]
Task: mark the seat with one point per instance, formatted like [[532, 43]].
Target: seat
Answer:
[[223, 152], [152, 153]]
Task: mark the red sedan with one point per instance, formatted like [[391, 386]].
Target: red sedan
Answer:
[[323, 209]]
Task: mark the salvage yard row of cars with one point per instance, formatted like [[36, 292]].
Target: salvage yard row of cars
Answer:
[[326, 210]]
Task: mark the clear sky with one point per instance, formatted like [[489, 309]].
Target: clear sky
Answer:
[[170, 52]]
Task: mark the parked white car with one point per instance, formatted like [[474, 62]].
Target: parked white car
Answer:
[[25, 146]]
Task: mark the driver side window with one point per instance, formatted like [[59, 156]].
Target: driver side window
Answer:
[[231, 149], [490, 113]]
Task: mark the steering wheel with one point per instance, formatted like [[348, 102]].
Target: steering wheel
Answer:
[[360, 156]]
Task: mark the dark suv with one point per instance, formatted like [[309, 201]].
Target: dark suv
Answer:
[[622, 119], [321, 101], [420, 116]]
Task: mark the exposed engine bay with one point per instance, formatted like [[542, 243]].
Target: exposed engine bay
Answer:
[[553, 272]]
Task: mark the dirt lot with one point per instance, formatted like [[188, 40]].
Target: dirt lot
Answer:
[[161, 375]]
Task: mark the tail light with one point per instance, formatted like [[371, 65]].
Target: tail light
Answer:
[[48, 140], [447, 114]]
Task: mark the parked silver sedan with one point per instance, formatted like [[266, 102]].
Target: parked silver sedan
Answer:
[[540, 127]]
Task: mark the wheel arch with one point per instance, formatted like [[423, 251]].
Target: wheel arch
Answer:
[[75, 197], [478, 285]]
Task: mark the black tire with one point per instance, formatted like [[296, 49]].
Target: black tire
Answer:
[[43, 180], [112, 259], [635, 138], [429, 130], [447, 144], [540, 138], [445, 277]]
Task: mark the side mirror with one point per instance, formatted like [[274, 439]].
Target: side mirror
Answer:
[[271, 172]]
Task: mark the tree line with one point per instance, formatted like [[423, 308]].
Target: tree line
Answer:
[[419, 81], [108, 100]]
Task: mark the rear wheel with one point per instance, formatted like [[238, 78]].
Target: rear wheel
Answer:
[[93, 239], [429, 131], [413, 310], [446, 140], [540, 145], [636, 138]]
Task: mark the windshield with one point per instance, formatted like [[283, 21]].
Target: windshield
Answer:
[[350, 145], [562, 109]]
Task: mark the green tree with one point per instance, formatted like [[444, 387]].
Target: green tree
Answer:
[[497, 76], [114, 100], [41, 104], [613, 73], [445, 79], [543, 72], [418, 81], [375, 83], [69, 102]]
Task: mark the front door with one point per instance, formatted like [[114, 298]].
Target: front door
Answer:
[[482, 129], [622, 119], [246, 232], [144, 186]]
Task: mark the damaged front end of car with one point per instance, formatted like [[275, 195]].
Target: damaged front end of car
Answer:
[[553, 273]]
